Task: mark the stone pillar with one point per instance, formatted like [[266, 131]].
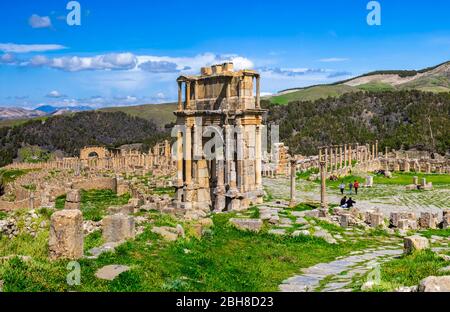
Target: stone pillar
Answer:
[[180, 97], [415, 180], [376, 149], [118, 227], [326, 159], [323, 190], [358, 159], [350, 155], [179, 159], [188, 155], [340, 156], [240, 157], [258, 178], [258, 104], [293, 202], [373, 152], [73, 199], [66, 235], [345, 156], [188, 95]]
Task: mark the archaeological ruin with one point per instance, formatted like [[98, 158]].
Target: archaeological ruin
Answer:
[[223, 100]]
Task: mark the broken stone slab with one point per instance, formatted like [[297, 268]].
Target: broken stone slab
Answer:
[[66, 235], [136, 202], [108, 247], [403, 224], [298, 213], [253, 225], [435, 284], [407, 289], [325, 235], [300, 232], [167, 232], [301, 220], [118, 227], [110, 272], [415, 243], [277, 231], [312, 213], [124, 209], [73, 199]]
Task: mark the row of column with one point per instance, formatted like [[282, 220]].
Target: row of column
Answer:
[[344, 156]]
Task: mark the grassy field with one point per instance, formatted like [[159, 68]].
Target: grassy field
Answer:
[[407, 271], [312, 93], [225, 259], [95, 202], [11, 175]]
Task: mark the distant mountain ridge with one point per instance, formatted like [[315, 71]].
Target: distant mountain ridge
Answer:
[[17, 113], [430, 79]]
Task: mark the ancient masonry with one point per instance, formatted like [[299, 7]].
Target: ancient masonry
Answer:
[[223, 98]]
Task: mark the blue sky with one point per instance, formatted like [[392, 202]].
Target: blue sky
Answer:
[[130, 52]]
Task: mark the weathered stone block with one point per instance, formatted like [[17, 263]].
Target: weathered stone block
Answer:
[[446, 219], [73, 196], [403, 224], [323, 212], [376, 219], [345, 220], [427, 220], [66, 235], [126, 209], [435, 284], [254, 225], [414, 243], [118, 227]]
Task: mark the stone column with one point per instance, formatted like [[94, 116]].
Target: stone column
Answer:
[[358, 159], [66, 235], [340, 157], [350, 155], [336, 163], [240, 157], [376, 149], [188, 95], [180, 103], [326, 159], [258, 178], [188, 155], [258, 104], [345, 156], [323, 191], [179, 158], [293, 202], [373, 152]]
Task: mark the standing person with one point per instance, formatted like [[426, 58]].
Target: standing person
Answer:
[[356, 186], [342, 187], [350, 187]]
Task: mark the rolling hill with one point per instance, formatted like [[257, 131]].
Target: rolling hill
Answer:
[[431, 79]]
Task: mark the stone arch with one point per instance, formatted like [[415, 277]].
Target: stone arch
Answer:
[[94, 151]]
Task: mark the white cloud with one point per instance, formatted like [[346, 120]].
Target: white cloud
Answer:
[[37, 21], [55, 94], [7, 58], [99, 62], [26, 48], [333, 59]]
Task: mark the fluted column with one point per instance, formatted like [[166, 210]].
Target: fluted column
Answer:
[[180, 100], [258, 178], [258, 103], [323, 185], [188, 155]]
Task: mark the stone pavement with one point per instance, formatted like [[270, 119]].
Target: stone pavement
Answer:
[[337, 275]]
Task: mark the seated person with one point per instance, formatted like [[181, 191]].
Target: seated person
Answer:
[[343, 202], [350, 203]]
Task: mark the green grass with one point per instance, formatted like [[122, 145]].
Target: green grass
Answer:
[[376, 87], [312, 93], [225, 260], [405, 178], [436, 232], [95, 202], [161, 114], [408, 270], [10, 175]]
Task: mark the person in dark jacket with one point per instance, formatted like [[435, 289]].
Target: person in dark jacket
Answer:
[[350, 202], [343, 201]]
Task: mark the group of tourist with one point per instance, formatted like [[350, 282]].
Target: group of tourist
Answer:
[[352, 185], [348, 203]]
